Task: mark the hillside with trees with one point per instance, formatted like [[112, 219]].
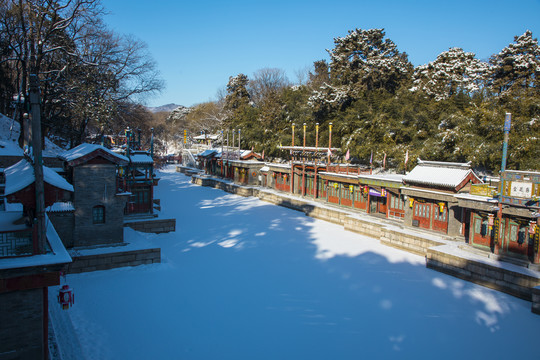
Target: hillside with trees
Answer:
[[451, 109]]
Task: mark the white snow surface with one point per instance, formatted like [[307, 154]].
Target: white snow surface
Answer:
[[21, 175], [245, 279]]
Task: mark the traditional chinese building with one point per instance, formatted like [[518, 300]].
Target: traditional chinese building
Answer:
[[430, 191], [98, 200], [519, 218], [28, 266], [139, 179]]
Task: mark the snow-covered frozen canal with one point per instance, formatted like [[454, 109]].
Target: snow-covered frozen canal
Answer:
[[244, 279]]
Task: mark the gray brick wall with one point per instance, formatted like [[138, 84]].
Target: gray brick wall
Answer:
[[63, 223], [96, 185], [21, 324]]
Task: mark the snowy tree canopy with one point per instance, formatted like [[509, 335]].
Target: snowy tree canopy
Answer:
[[237, 93], [366, 58], [453, 71], [517, 65], [328, 96]]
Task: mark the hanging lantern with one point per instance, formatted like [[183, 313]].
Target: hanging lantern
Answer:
[[66, 298], [441, 207], [383, 192], [351, 188], [366, 189], [411, 202], [491, 219], [285, 177], [121, 171], [335, 185], [532, 227]]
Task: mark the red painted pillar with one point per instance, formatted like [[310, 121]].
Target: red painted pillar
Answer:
[[536, 242]]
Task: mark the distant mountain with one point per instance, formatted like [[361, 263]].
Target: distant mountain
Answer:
[[163, 108]]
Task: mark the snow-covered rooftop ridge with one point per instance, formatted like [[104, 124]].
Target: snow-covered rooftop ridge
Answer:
[[60, 207], [385, 177], [522, 172], [21, 175], [342, 175], [141, 158], [466, 165], [206, 136], [445, 174], [85, 149]]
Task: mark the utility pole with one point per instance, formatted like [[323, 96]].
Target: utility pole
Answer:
[[38, 163], [498, 234]]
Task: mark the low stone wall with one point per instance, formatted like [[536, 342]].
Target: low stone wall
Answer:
[[86, 263], [225, 186], [363, 226], [515, 283], [536, 300], [156, 226], [328, 214], [288, 202], [412, 243]]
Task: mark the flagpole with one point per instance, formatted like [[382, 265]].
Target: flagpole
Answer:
[[329, 145], [371, 163]]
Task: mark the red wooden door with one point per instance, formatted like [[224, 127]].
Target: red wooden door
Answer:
[[421, 214], [440, 218]]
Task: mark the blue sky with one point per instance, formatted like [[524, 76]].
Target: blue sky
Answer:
[[199, 44]]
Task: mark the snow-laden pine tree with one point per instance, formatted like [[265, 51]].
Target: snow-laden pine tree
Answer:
[[453, 71], [365, 59], [237, 93], [517, 66]]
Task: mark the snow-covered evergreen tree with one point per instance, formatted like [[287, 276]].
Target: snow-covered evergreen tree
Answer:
[[452, 72], [237, 93], [366, 60], [517, 66]]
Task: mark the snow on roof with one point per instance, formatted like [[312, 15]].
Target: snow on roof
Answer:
[[466, 196], [204, 137], [60, 207], [141, 159], [21, 175], [342, 175], [8, 219], [445, 174], [10, 148], [384, 177], [207, 153], [85, 149]]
